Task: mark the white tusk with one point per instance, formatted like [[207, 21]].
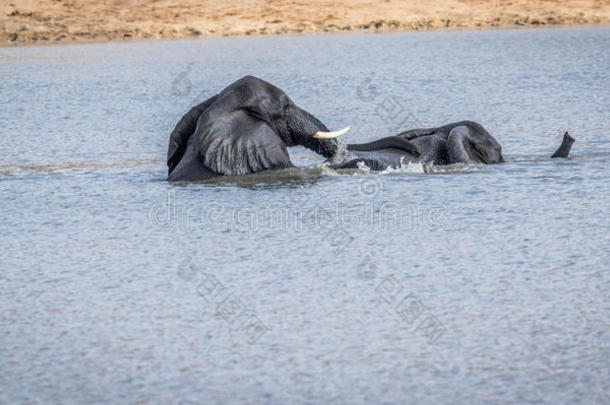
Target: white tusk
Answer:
[[330, 135]]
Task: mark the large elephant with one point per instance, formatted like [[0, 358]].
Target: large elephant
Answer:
[[460, 142], [244, 129]]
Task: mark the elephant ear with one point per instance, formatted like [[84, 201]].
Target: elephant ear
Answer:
[[183, 131], [237, 138]]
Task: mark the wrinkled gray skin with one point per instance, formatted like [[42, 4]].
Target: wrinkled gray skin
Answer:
[[244, 129], [460, 142]]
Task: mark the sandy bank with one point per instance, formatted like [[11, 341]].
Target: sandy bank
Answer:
[[26, 21]]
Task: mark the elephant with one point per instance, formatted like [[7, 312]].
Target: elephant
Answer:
[[460, 142], [244, 129], [247, 127]]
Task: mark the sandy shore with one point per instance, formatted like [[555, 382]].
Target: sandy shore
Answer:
[[26, 21]]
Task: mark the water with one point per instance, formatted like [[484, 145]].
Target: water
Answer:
[[461, 284]]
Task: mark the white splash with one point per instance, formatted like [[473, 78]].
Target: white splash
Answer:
[[326, 170], [363, 167], [409, 167]]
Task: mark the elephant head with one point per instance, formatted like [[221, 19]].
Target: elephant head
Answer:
[[473, 144], [244, 129]]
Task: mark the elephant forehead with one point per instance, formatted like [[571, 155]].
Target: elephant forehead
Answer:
[[234, 97], [243, 95], [259, 87]]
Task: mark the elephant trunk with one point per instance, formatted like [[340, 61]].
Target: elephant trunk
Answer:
[[303, 127]]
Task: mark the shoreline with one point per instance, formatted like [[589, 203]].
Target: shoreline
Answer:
[[50, 22], [98, 41]]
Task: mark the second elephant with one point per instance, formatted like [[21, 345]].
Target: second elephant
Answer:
[[460, 142]]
